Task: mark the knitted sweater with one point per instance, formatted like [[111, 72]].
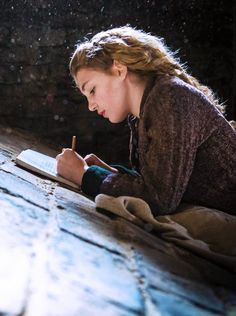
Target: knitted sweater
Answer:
[[186, 151]]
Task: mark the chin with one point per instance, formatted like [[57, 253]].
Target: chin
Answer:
[[116, 120]]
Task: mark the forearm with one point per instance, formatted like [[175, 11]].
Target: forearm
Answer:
[[95, 175], [126, 182], [128, 185]]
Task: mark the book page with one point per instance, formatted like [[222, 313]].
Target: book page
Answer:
[[42, 164], [38, 160]]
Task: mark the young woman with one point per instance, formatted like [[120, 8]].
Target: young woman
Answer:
[[181, 146]]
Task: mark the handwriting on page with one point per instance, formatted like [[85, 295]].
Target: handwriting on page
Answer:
[[48, 165]]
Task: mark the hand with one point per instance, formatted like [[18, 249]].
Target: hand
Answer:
[[71, 165], [92, 159]]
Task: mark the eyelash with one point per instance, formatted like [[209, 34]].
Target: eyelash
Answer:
[[92, 91]]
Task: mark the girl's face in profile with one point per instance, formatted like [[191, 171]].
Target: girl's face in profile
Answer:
[[106, 92]]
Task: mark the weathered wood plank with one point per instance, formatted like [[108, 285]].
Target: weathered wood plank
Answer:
[[60, 256]]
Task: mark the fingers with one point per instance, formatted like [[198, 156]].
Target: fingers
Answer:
[[90, 156], [91, 159], [59, 156]]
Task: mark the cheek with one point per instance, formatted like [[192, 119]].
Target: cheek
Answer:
[[111, 94], [108, 97]]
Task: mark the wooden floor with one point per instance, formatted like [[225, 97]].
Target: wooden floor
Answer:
[[59, 256]]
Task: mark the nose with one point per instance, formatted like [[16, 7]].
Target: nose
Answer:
[[92, 106]]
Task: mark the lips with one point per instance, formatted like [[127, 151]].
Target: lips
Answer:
[[102, 113]]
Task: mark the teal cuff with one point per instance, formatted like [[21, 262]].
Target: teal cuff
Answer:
[[92, 180], [123, 169]]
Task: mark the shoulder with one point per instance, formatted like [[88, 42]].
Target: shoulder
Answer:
[[175, 88], [173, 94], [172, 102]]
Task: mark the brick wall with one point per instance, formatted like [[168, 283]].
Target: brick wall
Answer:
[[38, 37]]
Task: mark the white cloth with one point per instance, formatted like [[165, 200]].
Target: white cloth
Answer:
[[207, 232]]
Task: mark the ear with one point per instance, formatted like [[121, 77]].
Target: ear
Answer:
[[119, 69]]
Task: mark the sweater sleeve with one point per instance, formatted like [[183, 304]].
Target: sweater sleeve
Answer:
[[94, 176], [92, 180], [172, 128]]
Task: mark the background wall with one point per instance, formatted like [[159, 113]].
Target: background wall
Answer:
[[37, 39]]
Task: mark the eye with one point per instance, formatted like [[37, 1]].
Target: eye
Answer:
[[92, 91]]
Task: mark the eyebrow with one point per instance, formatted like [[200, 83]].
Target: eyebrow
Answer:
[[83, 85]]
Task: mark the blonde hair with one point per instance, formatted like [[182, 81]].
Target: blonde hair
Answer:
[[142, 53]]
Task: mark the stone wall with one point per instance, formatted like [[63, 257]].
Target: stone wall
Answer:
[[38, 37]]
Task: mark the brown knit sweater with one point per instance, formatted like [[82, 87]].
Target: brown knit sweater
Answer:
[[186, 152]]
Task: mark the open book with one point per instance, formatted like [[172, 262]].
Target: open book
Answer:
[[41, 164]]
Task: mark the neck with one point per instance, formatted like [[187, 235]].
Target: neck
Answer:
[[135, 93]]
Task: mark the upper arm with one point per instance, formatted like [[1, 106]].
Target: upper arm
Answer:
[[173, 131]]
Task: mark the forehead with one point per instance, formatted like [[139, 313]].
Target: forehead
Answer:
[[82, 76], [86, 74], [89, 74]]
